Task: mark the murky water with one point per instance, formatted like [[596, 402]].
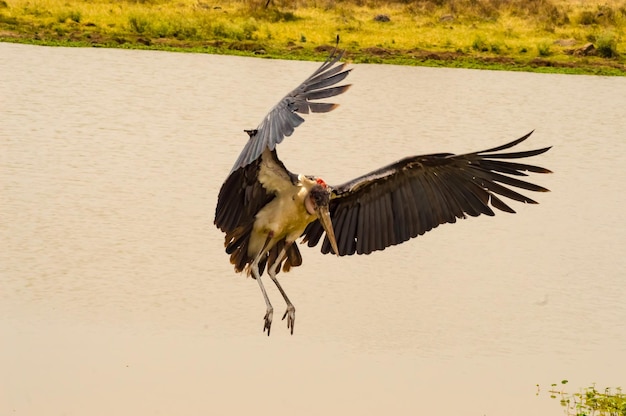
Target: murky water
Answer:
[[116, 296]]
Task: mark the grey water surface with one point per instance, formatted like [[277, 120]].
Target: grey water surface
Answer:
[[116, 296]]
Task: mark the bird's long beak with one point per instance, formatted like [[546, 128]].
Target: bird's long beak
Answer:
[[324, 216]]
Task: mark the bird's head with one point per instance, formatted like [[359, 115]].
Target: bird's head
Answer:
[[317, 203]]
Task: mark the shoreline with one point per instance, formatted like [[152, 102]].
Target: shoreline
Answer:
[[397, 35], [387, 57]]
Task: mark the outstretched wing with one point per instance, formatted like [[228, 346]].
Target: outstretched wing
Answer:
[[414, 195], [283, 118], [258, 173]]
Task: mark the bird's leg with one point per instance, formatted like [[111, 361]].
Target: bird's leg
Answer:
[[270, 310], [290, 313], [254, 268]]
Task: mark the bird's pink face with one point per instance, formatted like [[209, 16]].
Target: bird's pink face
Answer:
[[320, 181]]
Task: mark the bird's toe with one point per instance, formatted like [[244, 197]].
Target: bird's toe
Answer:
[[290, 314]]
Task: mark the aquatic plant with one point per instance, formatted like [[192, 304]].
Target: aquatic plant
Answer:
[[589, 401]]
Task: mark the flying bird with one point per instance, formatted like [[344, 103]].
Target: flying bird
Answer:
[[263, 208]]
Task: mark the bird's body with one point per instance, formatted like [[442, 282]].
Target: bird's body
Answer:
[[285, 217], [263, 208]]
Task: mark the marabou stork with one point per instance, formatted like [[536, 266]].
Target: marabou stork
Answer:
[[264, 208]]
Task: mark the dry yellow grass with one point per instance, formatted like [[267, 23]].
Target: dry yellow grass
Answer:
[[508, 33]]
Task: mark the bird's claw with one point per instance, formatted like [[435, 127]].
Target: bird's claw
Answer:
[[268, 320], [290, 314]]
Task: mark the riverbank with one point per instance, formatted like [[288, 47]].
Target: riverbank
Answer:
[[531, 35]]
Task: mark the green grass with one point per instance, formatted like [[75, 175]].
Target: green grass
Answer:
[[589, 401], [531, 35]]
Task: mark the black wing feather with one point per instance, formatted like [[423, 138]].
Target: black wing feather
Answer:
[[416, 194]]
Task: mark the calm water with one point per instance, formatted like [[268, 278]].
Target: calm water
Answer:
[[116, 296]]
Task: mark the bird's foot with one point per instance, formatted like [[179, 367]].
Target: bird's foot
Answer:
[[290, 314], [268, 320]]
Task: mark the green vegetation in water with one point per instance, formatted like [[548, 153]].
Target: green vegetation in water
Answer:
[[589, 401], [531, 35]]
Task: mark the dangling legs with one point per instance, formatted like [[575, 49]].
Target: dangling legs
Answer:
[[254, 268], [290, 313]]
